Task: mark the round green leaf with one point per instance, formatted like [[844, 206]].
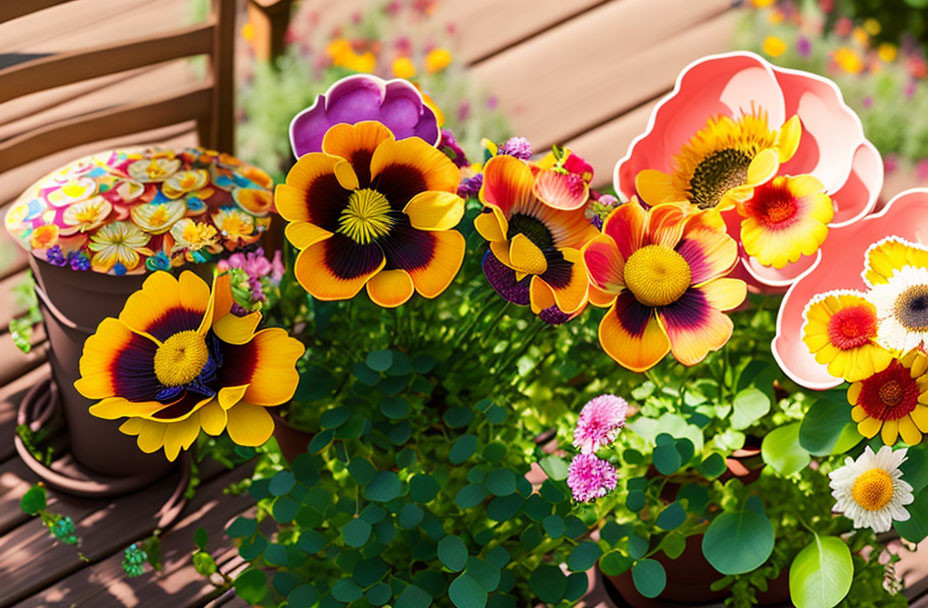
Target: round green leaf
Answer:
[[242, 527], [649, 577], [282, 482], [583, 557], [712, 466], [484, 572], [410, 515], [378, 595], [458, 417], [470, 496], [554, 526], [828, 428], [749, 405], [200, 538], [413, 597], [33, 500], [346, 590], [356, 532], [615, 563], [821, 574], [462, 449], [494, 452], [915, 468], [548, 583], [667, 459], [452, 553], [251, 586], [303, 596], [782, 451], [740, 541], [395, 408], [423, 488], [672, 516], [334, 418], [465, 592], [501, 482], [385, 486], [379, 360]]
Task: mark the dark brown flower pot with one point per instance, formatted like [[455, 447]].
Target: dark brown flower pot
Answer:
[[73, 303], [292, 441]]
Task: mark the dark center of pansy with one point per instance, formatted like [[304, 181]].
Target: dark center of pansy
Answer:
[[716, 174], [181, 358], [657, 275], [890, 394], [852, 327], [911, 308], [366, 218], [533, 229]]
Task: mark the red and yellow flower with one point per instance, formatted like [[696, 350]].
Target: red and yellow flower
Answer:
[[894, 401], [785, 218], [840, 330], [177, 361], [372, 211], [534, 238], [662, 273]]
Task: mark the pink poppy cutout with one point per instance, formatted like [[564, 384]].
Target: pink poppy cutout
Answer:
[[832, 148], [839, 264]]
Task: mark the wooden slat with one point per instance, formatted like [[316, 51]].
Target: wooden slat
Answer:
[[222, 115], [11, 304], [13, 9], [104, 124], [104, 584], [10, 396], [485, 27], [566, 81], [67, 68]]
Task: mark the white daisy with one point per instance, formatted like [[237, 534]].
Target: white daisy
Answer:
[[902, 309], [870, 491]]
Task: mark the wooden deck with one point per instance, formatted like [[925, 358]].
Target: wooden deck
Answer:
[[582, 72]]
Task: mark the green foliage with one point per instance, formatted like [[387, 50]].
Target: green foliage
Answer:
[[21, 326], [821, 574]]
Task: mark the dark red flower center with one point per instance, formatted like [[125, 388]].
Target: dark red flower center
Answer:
[[890, 394], [852, 327], [773, 205]]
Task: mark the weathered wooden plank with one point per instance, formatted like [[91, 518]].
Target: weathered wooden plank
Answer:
[[15, 10], [104, 584], [485, 27], [10, 397], [73, 66], [605, 145], [567, 80]]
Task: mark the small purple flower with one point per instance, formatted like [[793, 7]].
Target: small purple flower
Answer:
[[55, 257], [921, 169], [78, 261], [867, 102], [590, 478], [909, 89], [803, 46], [600, 421], [395, 103], [492, 102], [470, 186], [450, 147], [503, 280], [277, 268], [516, 146], [464, 111]]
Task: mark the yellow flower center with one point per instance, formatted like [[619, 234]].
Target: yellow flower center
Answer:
[[158, 217], [873, 490], [367, 216], [657, 275], [181, 358]]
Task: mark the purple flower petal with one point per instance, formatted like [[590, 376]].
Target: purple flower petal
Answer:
[[395, 103]]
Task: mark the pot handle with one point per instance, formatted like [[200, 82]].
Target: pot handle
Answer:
[[60, 316]]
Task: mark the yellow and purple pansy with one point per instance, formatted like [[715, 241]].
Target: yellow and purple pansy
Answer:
[[177, 360], [373, 211]]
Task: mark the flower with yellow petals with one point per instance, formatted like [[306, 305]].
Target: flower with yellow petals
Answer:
[[403, 67], [235, 226], [177, 361], [195, 236], [773, 46], [44, 237], [848, 60], [117, 243], [183, 182], [784, 219], [894, 401], [887, 52], [662, 273], [437, 60], [86, 215], [154, 169], [723, 162], [371, 211], [158, 218], [840, 329]]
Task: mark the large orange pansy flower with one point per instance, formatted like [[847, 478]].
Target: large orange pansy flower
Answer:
[[661, 273], [372, 211]]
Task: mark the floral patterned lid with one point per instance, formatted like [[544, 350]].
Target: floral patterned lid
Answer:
[[143, 209]]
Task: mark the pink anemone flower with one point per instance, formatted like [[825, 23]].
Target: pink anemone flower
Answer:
[[840, 265], [831, 148]]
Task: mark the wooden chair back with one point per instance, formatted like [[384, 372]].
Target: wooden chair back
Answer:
[[210, 104]]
